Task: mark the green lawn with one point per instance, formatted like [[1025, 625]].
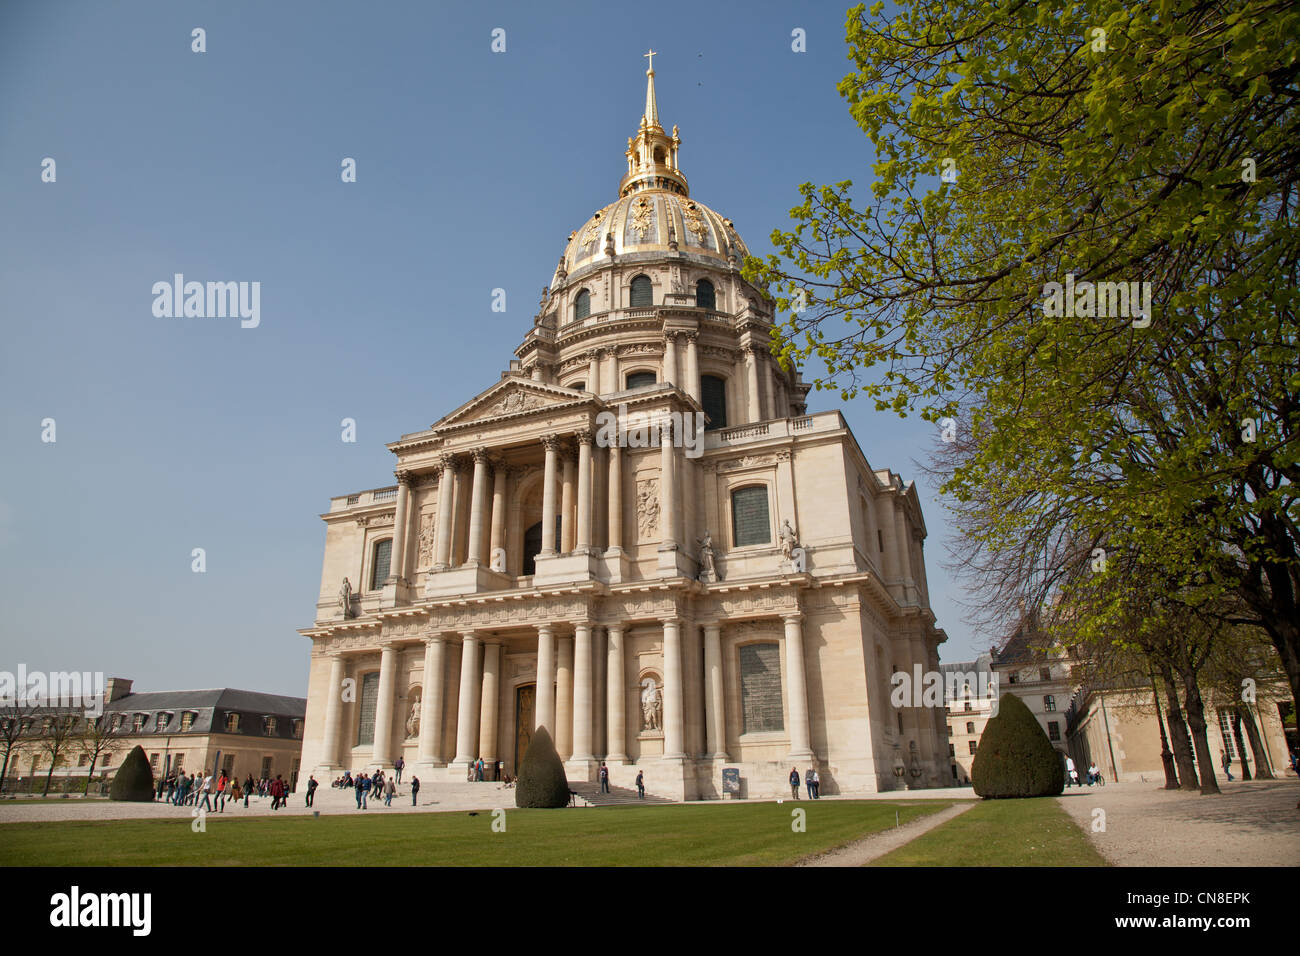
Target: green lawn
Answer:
[[689, 835], [1033, 832]]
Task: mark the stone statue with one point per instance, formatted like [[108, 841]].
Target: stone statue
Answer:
[[427, 532], [707, 571], [345, 598], [413, 719], [652, 707], [789, 541]]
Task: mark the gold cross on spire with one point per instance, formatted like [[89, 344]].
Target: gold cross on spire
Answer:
[[651, 55]]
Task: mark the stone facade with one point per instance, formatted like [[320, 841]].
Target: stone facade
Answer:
[[725, 582]]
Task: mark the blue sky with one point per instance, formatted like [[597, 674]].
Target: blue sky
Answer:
[[473, 167]]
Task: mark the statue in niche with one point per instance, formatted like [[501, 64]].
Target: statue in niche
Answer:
[[789, 541], [708, 573], [413, 718], [498, 563], [427, 532], [652, 705], [345, 598]]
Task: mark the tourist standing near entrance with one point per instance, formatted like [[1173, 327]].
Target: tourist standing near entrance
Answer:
[[794, 782], [398, 767], [640, 784], [604, 778], [311, 790], [415, 789]]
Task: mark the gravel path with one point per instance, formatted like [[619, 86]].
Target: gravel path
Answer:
[[1249, 824], [878, 844]]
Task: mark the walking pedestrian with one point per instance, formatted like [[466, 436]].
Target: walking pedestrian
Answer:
[[640, 784], [390, 791], [207, 792], [1227, 763], [398, 767], [794, 782], [415, 789]]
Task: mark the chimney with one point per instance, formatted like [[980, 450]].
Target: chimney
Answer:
[[115, 688]]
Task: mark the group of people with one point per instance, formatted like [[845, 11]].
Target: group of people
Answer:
[[1072, 774], [812, 783], [375, 786], [211, 791]]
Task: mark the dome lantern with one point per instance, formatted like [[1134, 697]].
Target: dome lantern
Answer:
[[652, 154]]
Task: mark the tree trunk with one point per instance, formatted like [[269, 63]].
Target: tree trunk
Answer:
[[1247, 720], [90, 774], [1235, 721], [1178, 733], [1166, 755], [1196, 721], [49, 774], [4, 774]]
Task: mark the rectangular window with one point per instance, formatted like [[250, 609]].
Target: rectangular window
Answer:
[[952, 750], [383, 557], [967, 707], [266, 767], [750, 523], [1049, 703], [1044, 673], [760, 688], [153, 760], [187, 720], [880, 539], [227, 763], [369, 698], [970, 726], [178, 761], [713, 397], [1225, 731], [1053, 730], [971, 745]]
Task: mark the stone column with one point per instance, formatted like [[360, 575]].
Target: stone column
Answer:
[[397, 569], [883, 506], [477, 505], [548, 502], [904, 558], [667, 488], [797, 689], [615, 498], [487, 724], [544, 708], [567, 537], [564, 699], [498, 535], [593, 373], [752, 397], [443, 559], [333, 712], [468, 703], [582, 687], [435, 650], [693, 387], [715, 699], [382, 755], [585, 441], [674, 712], [670, 358], [616, 701]]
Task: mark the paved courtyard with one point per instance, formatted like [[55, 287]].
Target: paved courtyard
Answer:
[[1249, 824]]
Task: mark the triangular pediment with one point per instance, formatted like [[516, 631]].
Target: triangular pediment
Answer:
[[509, 398]]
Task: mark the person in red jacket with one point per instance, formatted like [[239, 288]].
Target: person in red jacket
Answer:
[[277, 792]]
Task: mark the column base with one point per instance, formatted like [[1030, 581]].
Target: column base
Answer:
[[581, 768]]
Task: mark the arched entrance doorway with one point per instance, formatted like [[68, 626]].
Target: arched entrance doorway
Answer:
[[525, 720]]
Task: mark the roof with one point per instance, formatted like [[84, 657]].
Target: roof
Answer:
[[222, 698]]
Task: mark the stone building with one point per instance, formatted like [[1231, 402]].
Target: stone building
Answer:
[[969, 703], [240, 731], [638, 538]]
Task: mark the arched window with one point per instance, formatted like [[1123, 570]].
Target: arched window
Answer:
[[579, 386], [379, 567], [642, 294], [705, 297], [713, 396], [640, 379], [533, 544], [750, 523], [582, 305]]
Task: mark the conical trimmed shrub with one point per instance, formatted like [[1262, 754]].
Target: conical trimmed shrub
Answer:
[[134, 779], [1015, 758], [541, 782]]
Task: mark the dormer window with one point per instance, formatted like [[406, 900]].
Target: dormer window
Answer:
[[187, 720], [268, 726], [232, 723]]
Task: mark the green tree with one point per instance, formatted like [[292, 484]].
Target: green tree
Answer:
[[1014, 757], [1027, 144], [134, 779], [541, 779]]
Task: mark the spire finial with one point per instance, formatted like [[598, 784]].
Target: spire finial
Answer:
[[651, 116]]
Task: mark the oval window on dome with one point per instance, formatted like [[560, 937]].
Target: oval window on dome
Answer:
[[642, 295], [582, 305]]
